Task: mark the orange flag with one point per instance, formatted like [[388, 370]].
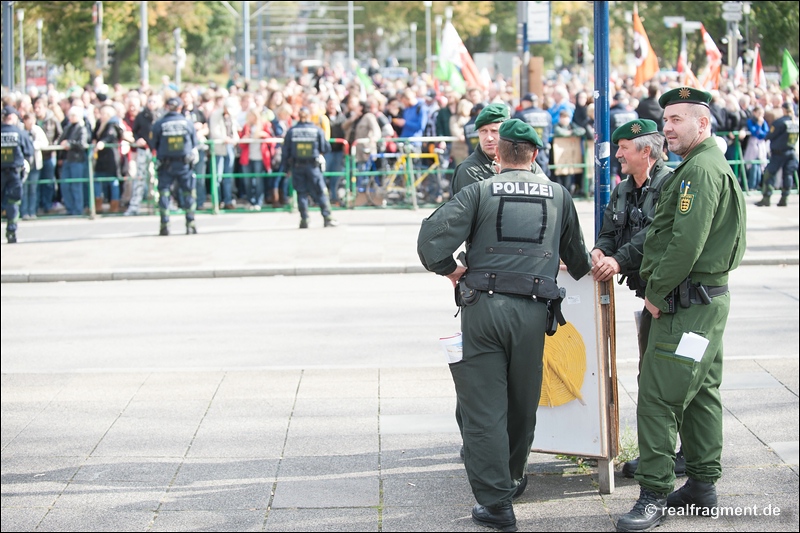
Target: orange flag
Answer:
[[710, 79], [646, 60]]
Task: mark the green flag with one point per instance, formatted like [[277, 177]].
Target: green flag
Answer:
[[448, 72], [367, 86], [789, 70]]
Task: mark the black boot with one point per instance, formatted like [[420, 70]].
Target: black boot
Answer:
[[629, 468], [784, 199], [191, 229], [694, 493], [330, 222], [647, 513], [766, 189], [498, 517], [523, 484], [11, 237], [164, 231]]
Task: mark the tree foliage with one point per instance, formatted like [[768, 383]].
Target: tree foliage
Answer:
[[209, 30]]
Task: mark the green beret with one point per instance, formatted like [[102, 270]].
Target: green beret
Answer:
[[491, 113], [634, 128], [684, 95], [517, 131]]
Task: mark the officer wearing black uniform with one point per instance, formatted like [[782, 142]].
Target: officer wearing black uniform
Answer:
[[542, 121], [302, 147], [17, 151], [174, 139], [782, 137], [519, 225]]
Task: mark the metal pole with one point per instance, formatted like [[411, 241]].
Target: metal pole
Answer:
[[98, 37], [144, 64], [413, 26], [246, 39], [39, 25], [351, 47], [260, 45], [428, 54], [177, 33], [20, 18], [8, 45], [522, 46], [602, 147]]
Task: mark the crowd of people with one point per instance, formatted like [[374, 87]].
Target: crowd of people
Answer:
[[230, 121]]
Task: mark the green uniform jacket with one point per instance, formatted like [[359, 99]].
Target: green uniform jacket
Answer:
[[517, 222], [623, 238], [475, 168], [699, 227]]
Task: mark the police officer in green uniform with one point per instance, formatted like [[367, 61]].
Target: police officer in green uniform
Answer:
[[480, 163], [630, 211], [17, 151], [518, 225], [696, 238]]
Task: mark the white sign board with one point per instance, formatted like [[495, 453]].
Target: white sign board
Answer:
[[578, 427], [538, 23]]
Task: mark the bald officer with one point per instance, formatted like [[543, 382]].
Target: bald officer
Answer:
[[520, 225], [697, 237]]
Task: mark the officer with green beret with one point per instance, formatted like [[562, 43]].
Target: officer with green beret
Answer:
[[520, 225], [696, 238], [630, 211], [480, 163]]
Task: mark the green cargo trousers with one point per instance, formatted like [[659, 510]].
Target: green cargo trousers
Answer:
[[680, 395], [498, 383]]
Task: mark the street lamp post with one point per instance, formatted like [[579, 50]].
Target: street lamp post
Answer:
[[413, 27], [493, 46], [428, 55], [20, 18], [379, 51], [39, 25]]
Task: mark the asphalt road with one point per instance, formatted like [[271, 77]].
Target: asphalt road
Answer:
[[388, 320]]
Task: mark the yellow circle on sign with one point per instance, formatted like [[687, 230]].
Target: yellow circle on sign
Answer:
[[564, 367]]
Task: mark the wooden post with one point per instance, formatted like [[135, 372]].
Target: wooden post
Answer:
[[535, 76]]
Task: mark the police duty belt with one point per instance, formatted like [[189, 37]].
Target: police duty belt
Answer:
[[538, 287]]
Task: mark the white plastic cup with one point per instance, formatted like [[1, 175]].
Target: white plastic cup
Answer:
[[452, 347]]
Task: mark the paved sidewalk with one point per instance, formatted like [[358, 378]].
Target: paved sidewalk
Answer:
[[325, 449], [269, 243]]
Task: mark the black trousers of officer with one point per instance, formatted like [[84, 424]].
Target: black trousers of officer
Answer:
[[307, 180], [498, 384], [785, 161], [176, 171], [11, 189]]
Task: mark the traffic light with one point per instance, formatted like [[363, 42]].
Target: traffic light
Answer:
[[579, 59], [104, 53], [111, 52]]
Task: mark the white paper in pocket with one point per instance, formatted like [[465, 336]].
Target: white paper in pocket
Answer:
[[692, 345], [452, 347]]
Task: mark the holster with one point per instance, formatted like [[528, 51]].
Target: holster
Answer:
[[554, 315], [465, 296]]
